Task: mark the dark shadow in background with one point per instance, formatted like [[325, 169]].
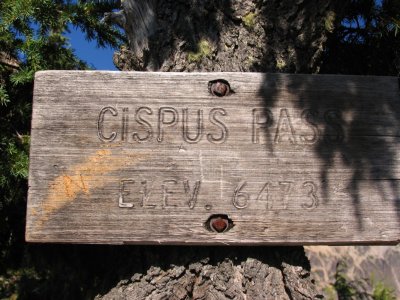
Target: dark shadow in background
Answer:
[[84, 271]]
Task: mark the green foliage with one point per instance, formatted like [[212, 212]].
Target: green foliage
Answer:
[[32, 38], [249, 20], [330, 292], [342, 285], [365, 40], [383, 292], [204, 50], [280, 63], [11, 281], [345, 289], [330, 21], [34, 30], [4, 98]]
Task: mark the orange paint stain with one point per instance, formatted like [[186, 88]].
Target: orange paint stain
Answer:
[[81, 179]]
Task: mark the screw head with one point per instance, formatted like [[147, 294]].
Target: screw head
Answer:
[[219, 88], [219, 224]]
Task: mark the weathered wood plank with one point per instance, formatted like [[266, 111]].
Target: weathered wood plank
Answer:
[[148, 157]]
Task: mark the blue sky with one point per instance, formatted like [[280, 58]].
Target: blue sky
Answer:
[[98, 58]]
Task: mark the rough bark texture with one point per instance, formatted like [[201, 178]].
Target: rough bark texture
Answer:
[[219, 273], [9, 64], [8, 61], [231, 35]]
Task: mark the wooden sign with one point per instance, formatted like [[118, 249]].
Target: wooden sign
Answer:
[[214, 158]]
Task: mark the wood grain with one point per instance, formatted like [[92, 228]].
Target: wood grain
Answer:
[[147, 158]]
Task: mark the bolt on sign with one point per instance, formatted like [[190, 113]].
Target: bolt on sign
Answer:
[[214, 158]]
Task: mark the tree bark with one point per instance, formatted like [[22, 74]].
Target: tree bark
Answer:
[[230, 35], [218, 273]]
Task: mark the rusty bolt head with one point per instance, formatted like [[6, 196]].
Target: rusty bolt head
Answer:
[[219, 88], [219, 224]]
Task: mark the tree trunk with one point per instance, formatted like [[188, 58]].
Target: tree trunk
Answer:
[[218, 273], [230, 35]]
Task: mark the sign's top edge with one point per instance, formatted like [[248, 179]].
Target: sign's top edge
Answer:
[[93, 72]]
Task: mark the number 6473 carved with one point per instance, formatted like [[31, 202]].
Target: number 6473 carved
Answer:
[[276, 195]]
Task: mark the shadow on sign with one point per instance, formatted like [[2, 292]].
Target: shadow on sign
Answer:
[[353, 129]]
